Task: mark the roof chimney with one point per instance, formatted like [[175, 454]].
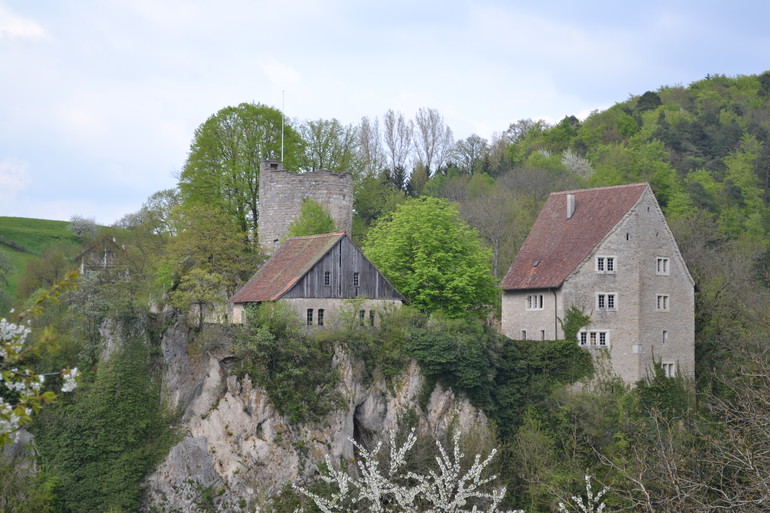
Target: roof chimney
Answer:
[[570, 205], [271, 165]]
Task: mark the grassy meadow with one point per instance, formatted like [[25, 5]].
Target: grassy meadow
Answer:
[[23, 239]]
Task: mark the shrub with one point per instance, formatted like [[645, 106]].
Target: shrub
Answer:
[[295, 368]]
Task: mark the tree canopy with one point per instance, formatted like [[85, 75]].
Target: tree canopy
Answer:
[[223, 167], [329, 145], [207, 241], [313, 220], [433, 257]]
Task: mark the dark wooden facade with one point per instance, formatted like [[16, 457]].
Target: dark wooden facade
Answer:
[[350, 275]]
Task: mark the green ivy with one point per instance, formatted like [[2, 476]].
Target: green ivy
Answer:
[[573, 322], [501, 376], [102, 441], [672, 396]]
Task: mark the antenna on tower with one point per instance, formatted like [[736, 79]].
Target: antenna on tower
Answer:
[[283, 117]]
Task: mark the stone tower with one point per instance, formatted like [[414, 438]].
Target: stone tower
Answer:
[[281, 193]]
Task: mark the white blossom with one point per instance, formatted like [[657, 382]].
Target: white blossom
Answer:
[[24, 382], [592, 504], [448, 489], [69, 380]]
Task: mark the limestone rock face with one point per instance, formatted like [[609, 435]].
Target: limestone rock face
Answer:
[[114, 333], [237, 441]]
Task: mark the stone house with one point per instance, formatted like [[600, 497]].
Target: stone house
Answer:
[[609, 252], [318, 276]]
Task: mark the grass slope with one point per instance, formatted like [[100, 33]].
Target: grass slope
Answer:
[[22, 239]]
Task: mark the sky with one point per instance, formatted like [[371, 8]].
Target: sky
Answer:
[[99, 100]]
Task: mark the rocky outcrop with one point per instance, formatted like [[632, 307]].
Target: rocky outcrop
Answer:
[[237, 443], [114, 333]]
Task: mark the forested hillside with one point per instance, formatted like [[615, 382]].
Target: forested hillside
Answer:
[[665, 445]]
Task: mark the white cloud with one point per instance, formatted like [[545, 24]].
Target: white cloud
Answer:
[[14, 26], [13, 178]]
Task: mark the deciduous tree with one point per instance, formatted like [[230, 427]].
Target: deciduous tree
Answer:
[[43, 272], [502, 220], [398, 140], [223, 167], [329, 145], [379, 488], [371, 152], [198, 288], [433, 257], [84, 228], [207, 240], [23, 391], [156, 212], [470, 154], [432, 139], [313, 220]]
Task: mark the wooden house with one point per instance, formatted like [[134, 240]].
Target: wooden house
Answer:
[[318, 275]]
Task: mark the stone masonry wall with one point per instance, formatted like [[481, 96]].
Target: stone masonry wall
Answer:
[[282, 192], [539, 324], [639, 333], [636, 326]]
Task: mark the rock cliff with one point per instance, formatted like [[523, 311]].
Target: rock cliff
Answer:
[[236, 444]]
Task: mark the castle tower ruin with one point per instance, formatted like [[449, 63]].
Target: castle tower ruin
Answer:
[[281, 193]]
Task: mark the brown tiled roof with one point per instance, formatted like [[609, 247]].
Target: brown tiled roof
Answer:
[[286, 267], [556, 245]]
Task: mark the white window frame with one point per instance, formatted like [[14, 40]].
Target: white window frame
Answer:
[[594, 339], [662, 266], [603, 300], [606, 264], [327, 278], [534, 302], [669, 369], [662, 303]]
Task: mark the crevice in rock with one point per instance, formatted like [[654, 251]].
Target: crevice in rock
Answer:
[[362, 436]]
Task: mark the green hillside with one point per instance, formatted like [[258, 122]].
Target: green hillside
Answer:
[[23, 239], [35, 235], [703, 148]]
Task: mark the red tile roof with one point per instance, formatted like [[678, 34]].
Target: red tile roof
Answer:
[[556, 245], [286, 267]]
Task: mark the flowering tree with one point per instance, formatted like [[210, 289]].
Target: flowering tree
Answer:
[[448, 489], [22, 390], [593, 502]]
